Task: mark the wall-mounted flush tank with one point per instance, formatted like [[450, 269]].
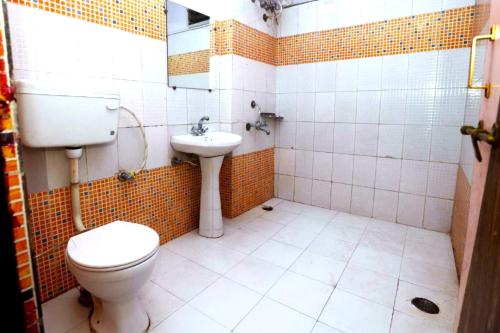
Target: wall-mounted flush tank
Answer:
[[70, 116], [57, 115]]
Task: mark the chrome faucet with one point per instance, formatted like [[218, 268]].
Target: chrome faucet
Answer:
[[200, 129], [260, 125]]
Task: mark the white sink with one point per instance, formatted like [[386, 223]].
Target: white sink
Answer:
[[211, 148], [210, 144]]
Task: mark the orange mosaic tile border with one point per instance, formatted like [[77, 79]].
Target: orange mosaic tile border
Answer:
[[13, 179], [246, 182], [189, 63], [233, 37], [142, 17], [426, 32]]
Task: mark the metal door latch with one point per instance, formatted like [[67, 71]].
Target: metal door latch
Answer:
[[480, 134]]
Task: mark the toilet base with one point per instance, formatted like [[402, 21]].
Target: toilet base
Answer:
[[122, 317]]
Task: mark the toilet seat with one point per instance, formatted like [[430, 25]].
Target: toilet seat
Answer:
[[115, 246]]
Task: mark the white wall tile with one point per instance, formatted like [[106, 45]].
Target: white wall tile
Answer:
[[362, 201], [388, 174], [327, 14], [57, 166], [102, 160], [286, 187], [130, 148], [305, 136], [450, 107], [322, 166], [287, 131], [349, 13], [286, 106], [325, 106], [393, 107], [176, 106], [344, 138], [445, 144], [345, 107], [438, 214], [155, 104], [395, 71], [289, 22], [347, 75], [449, 4], [305, 106], [157, 147], [307, 75], [154, 66], [127, 56], [323, 137], [368, 107], [321, 191], [342, 168], [422, 69], [195, 105], [286, 79], [364, 171], [417, 142], [411, 209], [420, 107], [303, 190], [453, 68], [442, 180], [385, 205], [370, 69], [426, 6], [287, 161], [414, 177], [308, 17], [341, 197], [390, 141], [397, 8], [304, 163], [326, 72], [366, 139]]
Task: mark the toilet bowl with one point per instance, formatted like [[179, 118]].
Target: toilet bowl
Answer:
[[113, 263]]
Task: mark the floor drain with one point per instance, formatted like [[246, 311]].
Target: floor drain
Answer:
[[267, 208], [425, 305]]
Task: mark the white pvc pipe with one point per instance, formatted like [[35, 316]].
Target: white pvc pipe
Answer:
[[74, 155]]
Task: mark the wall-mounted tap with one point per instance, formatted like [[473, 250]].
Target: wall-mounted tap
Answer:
[[200, 129], [259, 125]]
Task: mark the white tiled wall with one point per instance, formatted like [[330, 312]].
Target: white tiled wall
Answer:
[[376, 136], [54, 47]]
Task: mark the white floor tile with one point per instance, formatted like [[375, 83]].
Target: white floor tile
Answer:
[[310, 223], [278, 253], [272, 202], [340, 231], [271, 317], [376, 287], [403, 323], [427, 237], [264, 227], [290, 207], [189, 320], [397, 231], [190, 244], [281, 217], [322, 328], [376, 261], [256, 274], [319, 212], [218, 258], [352, 221], [159, 304], [350, 313], [331, 247], [447, 304], [166, 260], [67, 303], [186, 280], [435, 255], [226, 301], [383, 242], [243, 241], [301, 293], [318, 267], [430, 276], [296, 237]]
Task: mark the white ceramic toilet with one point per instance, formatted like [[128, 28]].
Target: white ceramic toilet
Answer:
[[113, 262]]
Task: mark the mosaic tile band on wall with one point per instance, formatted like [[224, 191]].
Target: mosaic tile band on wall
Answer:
[[166, 199], [189, 63]]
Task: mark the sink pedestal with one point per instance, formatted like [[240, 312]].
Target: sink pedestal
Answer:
[[211, 224]]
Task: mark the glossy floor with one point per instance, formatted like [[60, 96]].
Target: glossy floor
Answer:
[[296, 269]]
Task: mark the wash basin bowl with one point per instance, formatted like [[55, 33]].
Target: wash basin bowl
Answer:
[[210, 144]]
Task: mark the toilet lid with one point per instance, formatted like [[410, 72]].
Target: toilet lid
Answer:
[[115, 244]]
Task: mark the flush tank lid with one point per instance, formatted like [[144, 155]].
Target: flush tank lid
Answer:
[[63, 88]]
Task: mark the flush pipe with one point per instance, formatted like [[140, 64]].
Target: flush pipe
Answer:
[[74, 154]]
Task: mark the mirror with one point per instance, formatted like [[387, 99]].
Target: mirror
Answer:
[[188, 46]]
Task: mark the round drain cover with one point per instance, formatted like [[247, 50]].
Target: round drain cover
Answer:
[[267, 208], [425, 305]]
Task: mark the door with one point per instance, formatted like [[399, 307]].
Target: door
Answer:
[[479, 296]]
